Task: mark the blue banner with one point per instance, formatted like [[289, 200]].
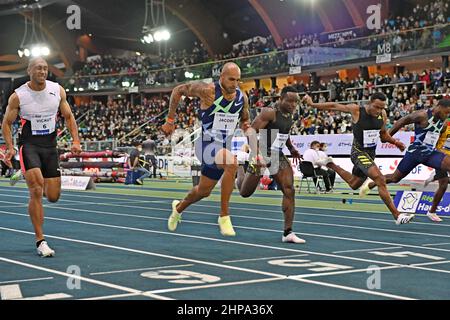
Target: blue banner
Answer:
[[421, 202]]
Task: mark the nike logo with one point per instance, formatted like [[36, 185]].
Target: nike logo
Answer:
[[52, 94], [238, 104]]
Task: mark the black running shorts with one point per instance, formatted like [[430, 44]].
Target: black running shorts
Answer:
[[45, 158], [362, 161]]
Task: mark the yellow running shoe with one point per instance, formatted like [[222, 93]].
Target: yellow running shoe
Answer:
[[226, 228], [175, 217]]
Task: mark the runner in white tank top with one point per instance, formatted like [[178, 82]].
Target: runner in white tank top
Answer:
[[37, 103]]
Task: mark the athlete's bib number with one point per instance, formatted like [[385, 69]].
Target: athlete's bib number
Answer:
[[42, 124], [370, 138], [447, 144], [225, 121], [431, 139], [280, 141]]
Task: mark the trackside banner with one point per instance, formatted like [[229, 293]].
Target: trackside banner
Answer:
[[421, 202]]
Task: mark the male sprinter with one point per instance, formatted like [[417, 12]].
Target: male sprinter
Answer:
[[223, 105], [441, 176], [274, 126], [368, 125], [37, 103], [429, 125]]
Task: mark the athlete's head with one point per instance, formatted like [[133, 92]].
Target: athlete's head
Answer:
[[38, 70], [377, 104], [289, 99], [442, 111], [230, 77]]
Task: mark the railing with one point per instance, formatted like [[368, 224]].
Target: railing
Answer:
[[389, 85], [137, 130], [64, 138], [275, 62]]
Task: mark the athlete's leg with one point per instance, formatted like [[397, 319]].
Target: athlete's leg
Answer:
[[353, 181], [380, 181], [226, 161], [199, 192], [443, 184], [52, 188], [35, 183], [285, 180]]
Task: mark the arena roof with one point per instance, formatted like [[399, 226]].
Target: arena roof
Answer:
[[117, 24]]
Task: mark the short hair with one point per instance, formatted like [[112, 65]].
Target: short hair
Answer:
[[378, 96], [136, 143], [444, 103], [288, 89], [314, 143]]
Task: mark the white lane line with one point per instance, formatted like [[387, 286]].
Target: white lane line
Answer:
[[267, 258], [370, 212], [362, 250], [372, 292], [247, 217], [221, 266], [52, 296], [216, 285], [247, 228], [141, 269], [412, 266], [114, 296], [27, 280], [238, 216], [203, 238], [74, 276], [436, 244]]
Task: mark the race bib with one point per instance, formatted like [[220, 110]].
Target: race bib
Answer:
[[370, 138], [280, 141], [431, 139], [225, 122], [447, 144], [42, 124]]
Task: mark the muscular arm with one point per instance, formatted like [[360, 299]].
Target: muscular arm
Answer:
[[333, 106], [68, 116], [386, 137], [415, 117], [199, 89], [12, 111]]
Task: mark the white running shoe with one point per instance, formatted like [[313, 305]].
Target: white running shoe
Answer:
[[434, 217], [404, 218], [428, 181], [44, 250], [365, 190], [292, 238], [175, 217]]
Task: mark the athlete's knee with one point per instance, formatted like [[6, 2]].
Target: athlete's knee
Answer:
[[443, 183], [289, 191], [354, 185], [53, 198], [204, 193], [36, 191], [245, 193], [380, 181]]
